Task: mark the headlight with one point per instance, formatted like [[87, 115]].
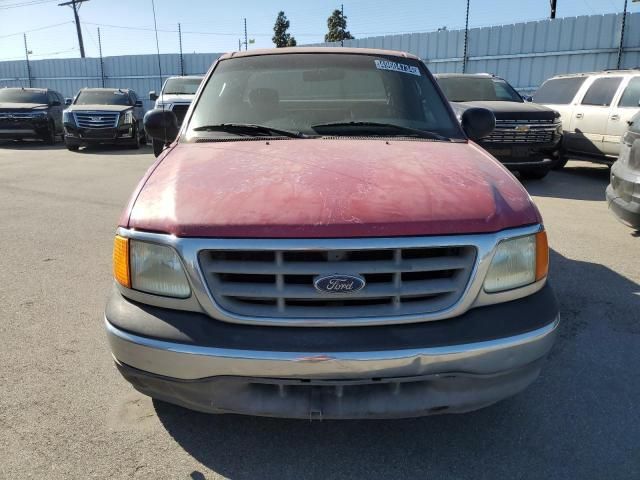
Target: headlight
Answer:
[[67, 117], [518, 262], [127, 117], [149, 267]]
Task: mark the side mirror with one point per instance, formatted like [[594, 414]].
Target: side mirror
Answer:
[[68, 101], [153, 95], [161, 125], [478, 123], [55, 103], [527, 98], [139, 103]]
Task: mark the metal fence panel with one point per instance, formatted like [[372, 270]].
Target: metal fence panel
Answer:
[[137, 72], [525, 54]]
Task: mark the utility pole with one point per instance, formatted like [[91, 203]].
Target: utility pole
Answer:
[[621, 44], [466, 41], [342, 14], [75, 4], [26, 54], [180, 44], [553, 9], [246, 40], [101, 62], [239, 45]]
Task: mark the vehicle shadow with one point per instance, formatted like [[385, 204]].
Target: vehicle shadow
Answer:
[[531, 432], [113, 150], [576, 181], [30, 145]]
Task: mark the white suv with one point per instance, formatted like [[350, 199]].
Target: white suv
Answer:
[[176, 95], [594, 109]]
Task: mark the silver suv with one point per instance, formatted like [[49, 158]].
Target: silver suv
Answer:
[[176, 95]]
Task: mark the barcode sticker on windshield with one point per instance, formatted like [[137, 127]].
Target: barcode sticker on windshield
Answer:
[[397, 67]]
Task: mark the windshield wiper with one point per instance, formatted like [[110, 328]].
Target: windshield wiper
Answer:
[[249, 129], [405, 131]]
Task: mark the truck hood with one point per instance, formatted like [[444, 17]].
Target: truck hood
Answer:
[[175, 99], [98, 108], [510, 110], [21, 107], [327, 188]]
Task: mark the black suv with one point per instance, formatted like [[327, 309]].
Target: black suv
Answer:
[[527, 136], [30, 113], [104, 115]]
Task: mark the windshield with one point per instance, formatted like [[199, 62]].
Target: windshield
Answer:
[[102, 97], [18, 95], [296, 92], [470, 89], [181, 86]]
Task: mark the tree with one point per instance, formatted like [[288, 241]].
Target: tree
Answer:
[[280, 36], [337, 24]]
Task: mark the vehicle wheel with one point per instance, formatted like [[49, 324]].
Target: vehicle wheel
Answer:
[[535, 174], [158, 146], [51, 137], [136, 139], [73, 148], [559, 162]]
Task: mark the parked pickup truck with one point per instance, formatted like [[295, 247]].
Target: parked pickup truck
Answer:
[[322, 240], [104, 116], [30, 113], [527, 136], [176, 95]]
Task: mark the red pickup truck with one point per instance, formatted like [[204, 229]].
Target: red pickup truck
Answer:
[[323, 239]]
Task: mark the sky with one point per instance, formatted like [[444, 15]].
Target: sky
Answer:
[[126, 26]]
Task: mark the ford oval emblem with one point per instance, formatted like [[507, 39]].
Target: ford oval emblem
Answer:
[[339, 283]]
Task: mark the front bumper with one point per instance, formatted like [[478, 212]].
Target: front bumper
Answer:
[[88, 136], [524, 156], [24, 128], [453, 365]]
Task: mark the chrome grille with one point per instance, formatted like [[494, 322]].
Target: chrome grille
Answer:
[[279, 283], [96, 119], [522, 131]]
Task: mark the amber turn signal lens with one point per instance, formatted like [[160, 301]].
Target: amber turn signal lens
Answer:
[[542, 255], [121, 270]]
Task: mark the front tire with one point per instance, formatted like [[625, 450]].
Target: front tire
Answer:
[[51, 138], [560, 162], [537, 174]]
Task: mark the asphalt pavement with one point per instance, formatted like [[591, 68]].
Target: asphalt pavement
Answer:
[[65, 412]]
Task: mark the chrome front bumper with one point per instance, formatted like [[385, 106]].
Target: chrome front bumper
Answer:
[[186, 362]]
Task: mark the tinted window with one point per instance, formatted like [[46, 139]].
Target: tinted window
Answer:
[[466, 89], [559, 91], [18, 95], [631, 95], [298, 91], [181, 86], [506, 92], [601, 91], [102, 97]]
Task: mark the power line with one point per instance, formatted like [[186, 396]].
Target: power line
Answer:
[[35, 29], [24, 4]]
